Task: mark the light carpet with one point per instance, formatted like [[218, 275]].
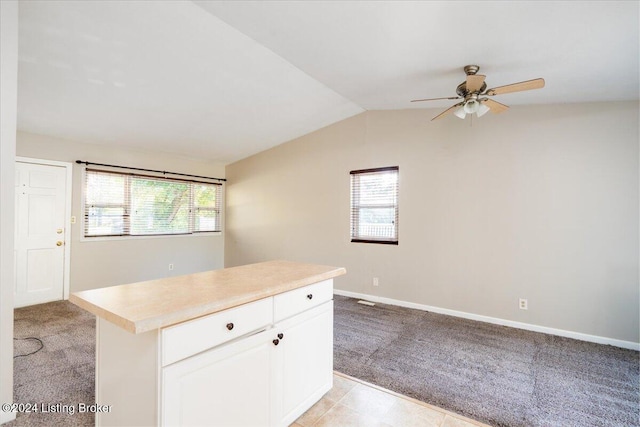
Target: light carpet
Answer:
[[495, 374], [499, 375], [62, 374]]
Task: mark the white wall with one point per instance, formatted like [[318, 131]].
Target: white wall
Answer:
[[96, 264], [540, 202], [8, 111]]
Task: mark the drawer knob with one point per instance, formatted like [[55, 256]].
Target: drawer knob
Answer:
[[229, 326], [280, 335], [276, 342], [310, 296]]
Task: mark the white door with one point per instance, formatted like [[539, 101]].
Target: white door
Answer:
[[40, 233]]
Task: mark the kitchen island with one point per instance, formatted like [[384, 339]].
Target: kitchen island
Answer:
[[241, 346]]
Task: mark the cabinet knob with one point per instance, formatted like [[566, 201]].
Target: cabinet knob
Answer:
[[229, 326], [280, 335], [310, 296], [276, 342]]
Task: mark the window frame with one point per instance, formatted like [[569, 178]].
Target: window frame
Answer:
[[355, 207], [127, 206]]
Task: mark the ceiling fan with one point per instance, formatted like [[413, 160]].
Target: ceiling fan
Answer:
[[474, 92]]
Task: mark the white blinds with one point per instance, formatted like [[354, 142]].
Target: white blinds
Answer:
[[374, 205], [118, 204]]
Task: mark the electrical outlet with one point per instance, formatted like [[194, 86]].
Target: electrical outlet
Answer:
[[73, 219], [170, 267], [375, 281], [524, 305]]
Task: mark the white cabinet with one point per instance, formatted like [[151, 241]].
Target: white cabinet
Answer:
[[266, 379], [228, 386], [303, 362], [261, 364]]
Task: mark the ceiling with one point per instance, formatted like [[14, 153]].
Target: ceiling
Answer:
[[222, 80]]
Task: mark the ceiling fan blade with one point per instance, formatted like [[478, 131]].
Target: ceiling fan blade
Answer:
[[447, 111], [475, 82], [495, 106], [435, 99], [516, 87]]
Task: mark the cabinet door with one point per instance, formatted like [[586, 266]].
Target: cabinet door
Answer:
[[304, 359], [229, 386]]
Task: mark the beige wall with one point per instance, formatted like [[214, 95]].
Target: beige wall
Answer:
[[8, 112], [538, 203], [97, 264]]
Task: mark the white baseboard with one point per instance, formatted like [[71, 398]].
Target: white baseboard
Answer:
[[5, 417], [496, 321]]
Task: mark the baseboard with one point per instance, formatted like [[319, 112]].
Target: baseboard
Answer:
[[5, 417], [496, 321]]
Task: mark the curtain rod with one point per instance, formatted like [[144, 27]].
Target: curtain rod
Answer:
[[147, 170]]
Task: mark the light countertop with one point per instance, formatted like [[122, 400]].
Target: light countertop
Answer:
[[144, 306]]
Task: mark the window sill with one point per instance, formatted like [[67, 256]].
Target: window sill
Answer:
[[382, 242], [162, 236]]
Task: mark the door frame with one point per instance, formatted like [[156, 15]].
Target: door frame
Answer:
[[67, 214]]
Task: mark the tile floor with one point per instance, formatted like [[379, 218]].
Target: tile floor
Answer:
[[352, 402]]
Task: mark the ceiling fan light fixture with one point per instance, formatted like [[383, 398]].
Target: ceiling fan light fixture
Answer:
[[482, 110], [471, 106], [460, 113]]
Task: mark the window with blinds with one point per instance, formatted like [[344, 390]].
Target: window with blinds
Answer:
[[119, 204], [374, 205]]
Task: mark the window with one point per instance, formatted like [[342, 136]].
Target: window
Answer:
[[118, 204], [374, 205]]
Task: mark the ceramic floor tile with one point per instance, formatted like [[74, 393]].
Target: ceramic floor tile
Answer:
[[367, 400], [344, 416], [341, 386], [314, 413], [404, 413], [354, 403], [450, 421]]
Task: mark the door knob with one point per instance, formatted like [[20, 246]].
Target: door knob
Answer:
[[58, 243], [59, 231]]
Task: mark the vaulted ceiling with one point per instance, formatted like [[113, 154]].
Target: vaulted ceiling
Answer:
[[222, 80]]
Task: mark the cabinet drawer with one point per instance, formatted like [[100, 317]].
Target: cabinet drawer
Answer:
[[188, 338], [298, 300]]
